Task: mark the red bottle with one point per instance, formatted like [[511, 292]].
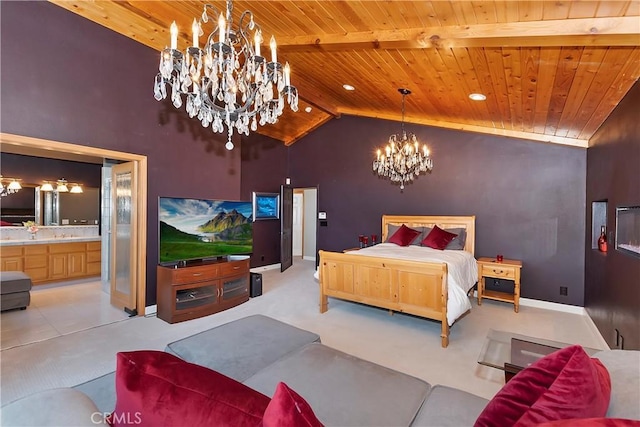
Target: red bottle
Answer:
[[602, 240]]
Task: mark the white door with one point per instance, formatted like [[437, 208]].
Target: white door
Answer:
[[298, 209]]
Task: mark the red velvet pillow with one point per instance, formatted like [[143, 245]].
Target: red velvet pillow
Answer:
[[288, 409], [155, 388], [592, 422], [562, 385], [438, 238], [404, 236]]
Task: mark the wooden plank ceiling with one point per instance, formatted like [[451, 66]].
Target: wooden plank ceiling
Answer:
[[551, 70]]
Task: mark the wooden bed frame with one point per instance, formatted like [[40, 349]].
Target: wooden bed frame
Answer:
[[413, 287]]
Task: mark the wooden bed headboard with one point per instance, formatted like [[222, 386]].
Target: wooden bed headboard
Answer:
[[444, 222]]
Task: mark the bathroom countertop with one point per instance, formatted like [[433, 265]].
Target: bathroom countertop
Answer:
[[49, 240]]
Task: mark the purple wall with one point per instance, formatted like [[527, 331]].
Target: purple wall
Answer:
[[35, 170], [528, 197], [71, 80], [612, 296], [264, 169], [67, 79]]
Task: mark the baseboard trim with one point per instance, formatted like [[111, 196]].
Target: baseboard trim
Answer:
[[309, 258], [266, 267], [151, 310], [573, 309]]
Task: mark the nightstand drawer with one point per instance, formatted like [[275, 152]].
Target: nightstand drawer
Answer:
[[498, 271]]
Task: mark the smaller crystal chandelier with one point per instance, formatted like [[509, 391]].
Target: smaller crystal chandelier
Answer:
[[12, 187], [402, 160], [226, 82]]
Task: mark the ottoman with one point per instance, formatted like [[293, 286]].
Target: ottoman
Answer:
[[15, 287], [241, 348]]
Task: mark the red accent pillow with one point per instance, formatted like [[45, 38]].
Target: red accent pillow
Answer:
[[404, 236], [288, 409], [438, 238], [155, 388], [562, 385]]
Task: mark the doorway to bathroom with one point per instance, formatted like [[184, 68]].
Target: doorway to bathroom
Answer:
[[22, 145]]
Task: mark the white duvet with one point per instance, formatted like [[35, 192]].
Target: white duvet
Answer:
[[461, 267]]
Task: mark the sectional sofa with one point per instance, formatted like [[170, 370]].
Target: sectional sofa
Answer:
[[226, 376]]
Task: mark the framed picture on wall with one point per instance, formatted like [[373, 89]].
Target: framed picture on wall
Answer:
[[266, 206]]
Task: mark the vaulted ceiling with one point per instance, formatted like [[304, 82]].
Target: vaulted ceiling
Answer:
[[551, 70]]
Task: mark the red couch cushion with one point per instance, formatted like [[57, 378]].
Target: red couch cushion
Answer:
[[562, 385], [155, 388], [288, 409]]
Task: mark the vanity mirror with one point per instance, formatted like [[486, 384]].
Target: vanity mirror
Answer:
[[55, 208]]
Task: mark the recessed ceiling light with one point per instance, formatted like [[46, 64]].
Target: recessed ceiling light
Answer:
[[477, 96], [348, 87], [308, 109]]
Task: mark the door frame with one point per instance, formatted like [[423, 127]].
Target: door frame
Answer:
[[299, 191], [23, 144]]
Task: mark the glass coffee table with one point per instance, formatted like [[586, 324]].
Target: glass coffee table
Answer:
[[513, 352]]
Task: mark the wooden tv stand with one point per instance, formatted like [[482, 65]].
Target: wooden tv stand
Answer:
[[202, 288]]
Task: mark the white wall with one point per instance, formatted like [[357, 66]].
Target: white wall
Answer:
[[310, 223]]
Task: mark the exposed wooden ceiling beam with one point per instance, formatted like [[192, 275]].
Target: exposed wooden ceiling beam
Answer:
[[622, 31], [316, 98], [581, 143]]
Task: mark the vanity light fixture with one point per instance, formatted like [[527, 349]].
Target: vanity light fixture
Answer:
[[75, 188], [46, 186], [62, 186], [12, 187]]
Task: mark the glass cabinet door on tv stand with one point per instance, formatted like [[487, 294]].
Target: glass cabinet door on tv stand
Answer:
[[190, 297], [201, 289], [234, 287]]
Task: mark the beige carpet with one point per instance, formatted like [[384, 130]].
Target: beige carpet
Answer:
[[405, 343]]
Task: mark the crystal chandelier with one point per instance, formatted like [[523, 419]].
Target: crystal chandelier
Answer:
[[226, 82], [12, 187], [402, 159]]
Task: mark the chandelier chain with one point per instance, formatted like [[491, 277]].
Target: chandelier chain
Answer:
[[402, 124]]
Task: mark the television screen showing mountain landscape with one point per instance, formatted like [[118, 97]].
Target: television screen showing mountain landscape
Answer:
[[196, 229]]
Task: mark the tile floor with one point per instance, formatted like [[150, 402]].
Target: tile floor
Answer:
[[57, 310]]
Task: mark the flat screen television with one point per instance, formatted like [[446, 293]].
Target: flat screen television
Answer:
[[201, 229]]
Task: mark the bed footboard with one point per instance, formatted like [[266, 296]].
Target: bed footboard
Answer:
[[412, 287]]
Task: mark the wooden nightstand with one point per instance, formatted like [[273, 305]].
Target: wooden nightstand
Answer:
[[507, 269]]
